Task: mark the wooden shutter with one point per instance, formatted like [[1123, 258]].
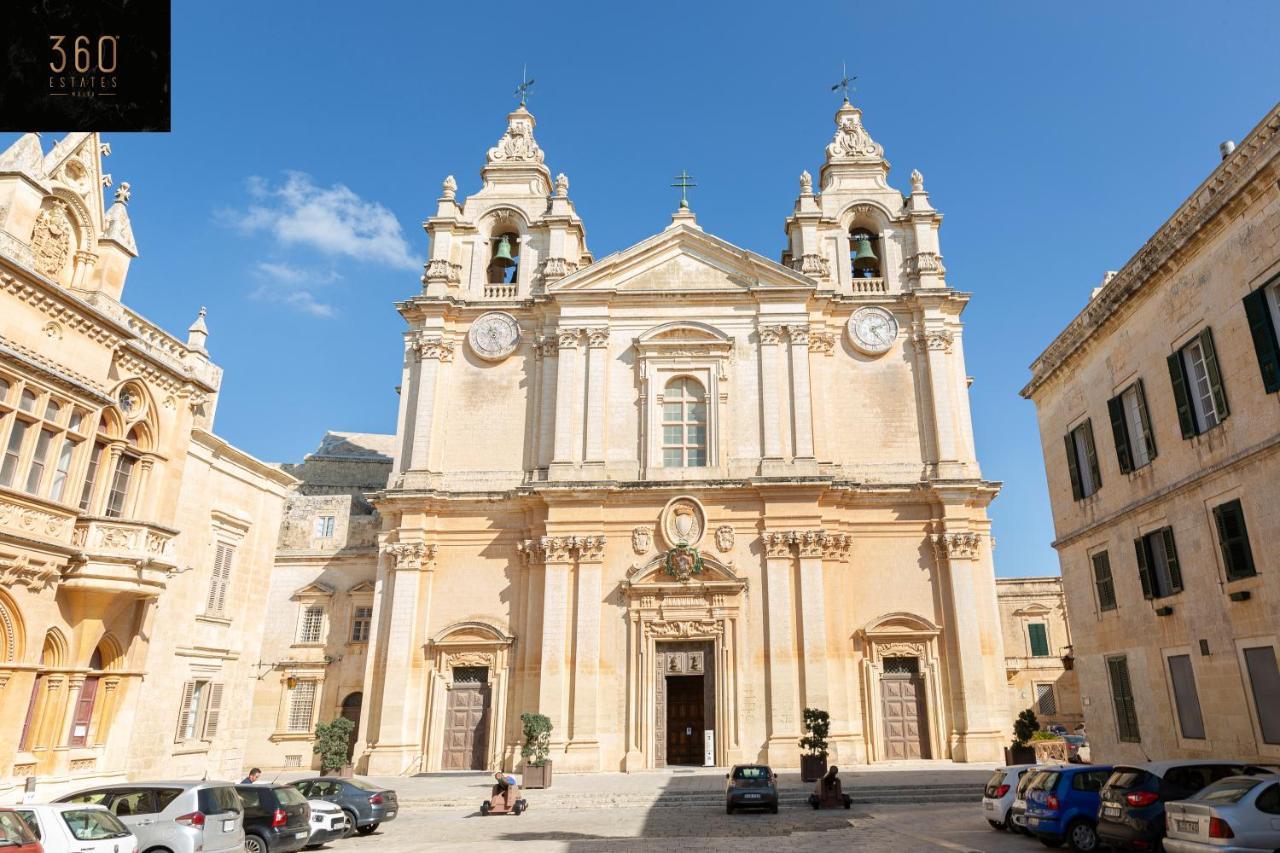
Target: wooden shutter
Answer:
[[220, 579], [79, 734], [184, 710], [1144, 570], [1171, 561], [1215, 377], [1120, 432], [1148, 435], [1039, 640], [1178, 376], [1091, 454], [1233, 539], [1077, 491], [213, 711], [1265, 342]]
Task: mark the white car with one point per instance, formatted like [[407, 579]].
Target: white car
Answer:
[[998, 796], [77, 828], [328, 823], [1238, 814], [1018, 812]]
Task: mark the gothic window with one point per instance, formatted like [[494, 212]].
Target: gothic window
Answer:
[[865, 252], [120, 485], [684, 424], [504, 258], [86, 495], [38, 451]]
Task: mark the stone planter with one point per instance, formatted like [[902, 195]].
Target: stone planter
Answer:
[[812, 767], [346, 771], [1020, 755], [536, 775], [1050, 751]]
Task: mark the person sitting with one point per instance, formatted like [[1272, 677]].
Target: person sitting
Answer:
[[828, 794], [503, 788]]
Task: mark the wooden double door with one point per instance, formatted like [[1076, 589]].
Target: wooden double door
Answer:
[[466, 722], [686, 702], [906, 726], [685, 719]]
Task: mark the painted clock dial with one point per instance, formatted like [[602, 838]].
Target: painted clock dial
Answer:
[[494, 336], [872, 330]]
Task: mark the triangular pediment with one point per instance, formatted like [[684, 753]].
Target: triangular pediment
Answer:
[[316, 589], [681, 259]]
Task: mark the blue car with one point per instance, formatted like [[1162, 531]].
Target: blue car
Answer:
[[1062, 805]]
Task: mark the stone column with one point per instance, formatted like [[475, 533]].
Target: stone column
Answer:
[[565, 452], [770, 382], [813, 619], [584, 745], [802, 406], [544, 435], [403, 447], [553, 680], [104, 476], [781, 747], [597, 350], [432, 351], [139, 503], [936, 344]]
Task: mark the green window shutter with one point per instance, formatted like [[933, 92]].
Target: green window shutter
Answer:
[[1103, 581], [1144, 572], [1215, 377], [1233, 539], [1091, 454], [1171, 561], [1265, 341], [1077, 491], [1148, 435], [1039, 640], [1178, 376], [1120, 432]]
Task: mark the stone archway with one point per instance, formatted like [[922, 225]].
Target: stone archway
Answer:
[[902, 688]]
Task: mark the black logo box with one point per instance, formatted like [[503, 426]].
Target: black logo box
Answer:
[[91, 65]]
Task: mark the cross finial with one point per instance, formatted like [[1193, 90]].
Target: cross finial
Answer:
[[684, 181], [522, 91], [846, 82]]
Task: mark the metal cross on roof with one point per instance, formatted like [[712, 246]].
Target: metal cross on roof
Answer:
[[846, 82], [684, 181], [522, 91]]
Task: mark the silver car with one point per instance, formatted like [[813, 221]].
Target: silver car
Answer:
[[182, 817], [1239, 814]]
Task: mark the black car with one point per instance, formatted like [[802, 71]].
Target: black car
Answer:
[[1131, 816], [366, 805], [277, 818], [750, 786]]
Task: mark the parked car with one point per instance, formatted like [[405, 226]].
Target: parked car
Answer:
[[1077, 748], [15, 836], [1001, 791], [1018, 811], [328, 822], [277, 818], [1062, 806], [365, 804], [750, 786], [77, 828], [1238, 813], [182, 817], [1132, 813], [1057, 729]]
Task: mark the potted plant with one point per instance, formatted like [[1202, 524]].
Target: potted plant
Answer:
[[333, 745], [817, 725], [537, 745], [1024, 729]]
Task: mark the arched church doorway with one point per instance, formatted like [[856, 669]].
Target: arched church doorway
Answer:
[[351, 710], [906, 721], [466, 724]]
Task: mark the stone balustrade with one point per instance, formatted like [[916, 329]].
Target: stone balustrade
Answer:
[[121, 556]]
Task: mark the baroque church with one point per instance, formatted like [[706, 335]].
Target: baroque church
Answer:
[[672, 497]]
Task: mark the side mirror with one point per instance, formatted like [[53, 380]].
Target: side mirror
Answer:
[[726, 775]]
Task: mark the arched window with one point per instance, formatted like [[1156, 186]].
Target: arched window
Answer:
[[865, 252], [684, 424], [120, 479], [504, 258]]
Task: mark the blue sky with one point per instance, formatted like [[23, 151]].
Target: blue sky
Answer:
[[309, 143]]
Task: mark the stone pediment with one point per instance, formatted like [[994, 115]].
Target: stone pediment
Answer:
[[316, 589], [682, 259], [654, 575]]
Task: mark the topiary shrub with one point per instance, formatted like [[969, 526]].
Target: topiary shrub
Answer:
[[537, 739], [333, 743], [817, 725], [1025, 727]]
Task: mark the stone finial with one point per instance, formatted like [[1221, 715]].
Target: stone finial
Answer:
[[852, 142], [197, 332], [123, 192], [517, 144], [449, 188], [806, 183], [562, 185], [917, 181]]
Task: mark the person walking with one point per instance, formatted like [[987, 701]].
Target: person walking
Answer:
[[252, 777]]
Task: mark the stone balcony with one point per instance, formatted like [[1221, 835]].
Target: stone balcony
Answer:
[[1049, 662], [121, 557], [501, 291]]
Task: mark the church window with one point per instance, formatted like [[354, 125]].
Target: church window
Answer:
[[311, 626], [684, 424], [504, 259], [12, 452], [864, 253], [28, 400], [38, 459], [65, 456]]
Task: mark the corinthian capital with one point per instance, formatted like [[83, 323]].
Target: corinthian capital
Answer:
[[590, 548], [957, 546], [567, 338], [433, 346], [597, 337], [410, 556], [778, 543]]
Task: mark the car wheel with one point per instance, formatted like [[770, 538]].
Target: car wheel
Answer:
[[367, 830], [1082, 837], [1008, 826], [254, 844], [351, 823], [518, 808], [995, 824]]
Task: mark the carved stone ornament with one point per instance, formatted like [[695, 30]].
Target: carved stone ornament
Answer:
[[51, 239], [917, 181], [410, 555], [821, 343], [567, 338], [836, 546], [460, 659], [494, 336], [806, 183], [449, 188], [597, 337], [724, 539], [20, 572], [957, 546], [590, 548], [557, 549], [685, 628], [771, 334], [433, 347], [562, 185], [922, 263], [124, 192], [872, 330], [810, 542], [440, 269], [815, 266], [682, 563], [517, 144], [641, 540], [900, 650], [852, 142], [31, 519], [935, 339], [683, 522], [778, 543]]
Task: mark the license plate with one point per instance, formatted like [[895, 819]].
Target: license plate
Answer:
[[229, 825], [1111, 811], [300, 835], [1187, 825], [989, 806], [750, 796], [391, 813]]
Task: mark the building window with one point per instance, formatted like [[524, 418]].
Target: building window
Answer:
[[27, 402], [311, 625], [1038, 633], [64, 468], [361, 621], [1197, 386], [1082, 461], [323, 527], [1131, 428], [684, 424], [1158, 568], [201, 710], [35, 472], [219, 580], [1122, 699], [1185, 697], [1103, 581], [1264, 683], [302, 701], [1262, 308], [13, 452], [1233, 539], [38, 453], [120, 486], [86, 495], [1046, 704]]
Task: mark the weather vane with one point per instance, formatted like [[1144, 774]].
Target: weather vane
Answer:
[[683, 181], [522, 91], [846, 82]]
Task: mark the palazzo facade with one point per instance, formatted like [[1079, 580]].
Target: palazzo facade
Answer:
[[674, 496]]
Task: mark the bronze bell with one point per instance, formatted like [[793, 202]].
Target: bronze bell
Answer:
[[503, 256], [864, 258]]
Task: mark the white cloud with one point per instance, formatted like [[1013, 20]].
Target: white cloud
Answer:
[[293, 286], [333, 220]]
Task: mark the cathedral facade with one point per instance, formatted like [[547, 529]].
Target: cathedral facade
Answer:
[[672, 497]]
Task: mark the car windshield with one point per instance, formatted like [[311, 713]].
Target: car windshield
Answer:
[[13, 830], [289, 796], [1126, 777], [1227, 791], [362, 785], [93, 824], [1045, 781], [996, 780], [1028, 781], [750, 773], [218, 799]]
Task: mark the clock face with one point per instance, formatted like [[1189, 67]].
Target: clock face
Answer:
[[494, 336], [872, 330]]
